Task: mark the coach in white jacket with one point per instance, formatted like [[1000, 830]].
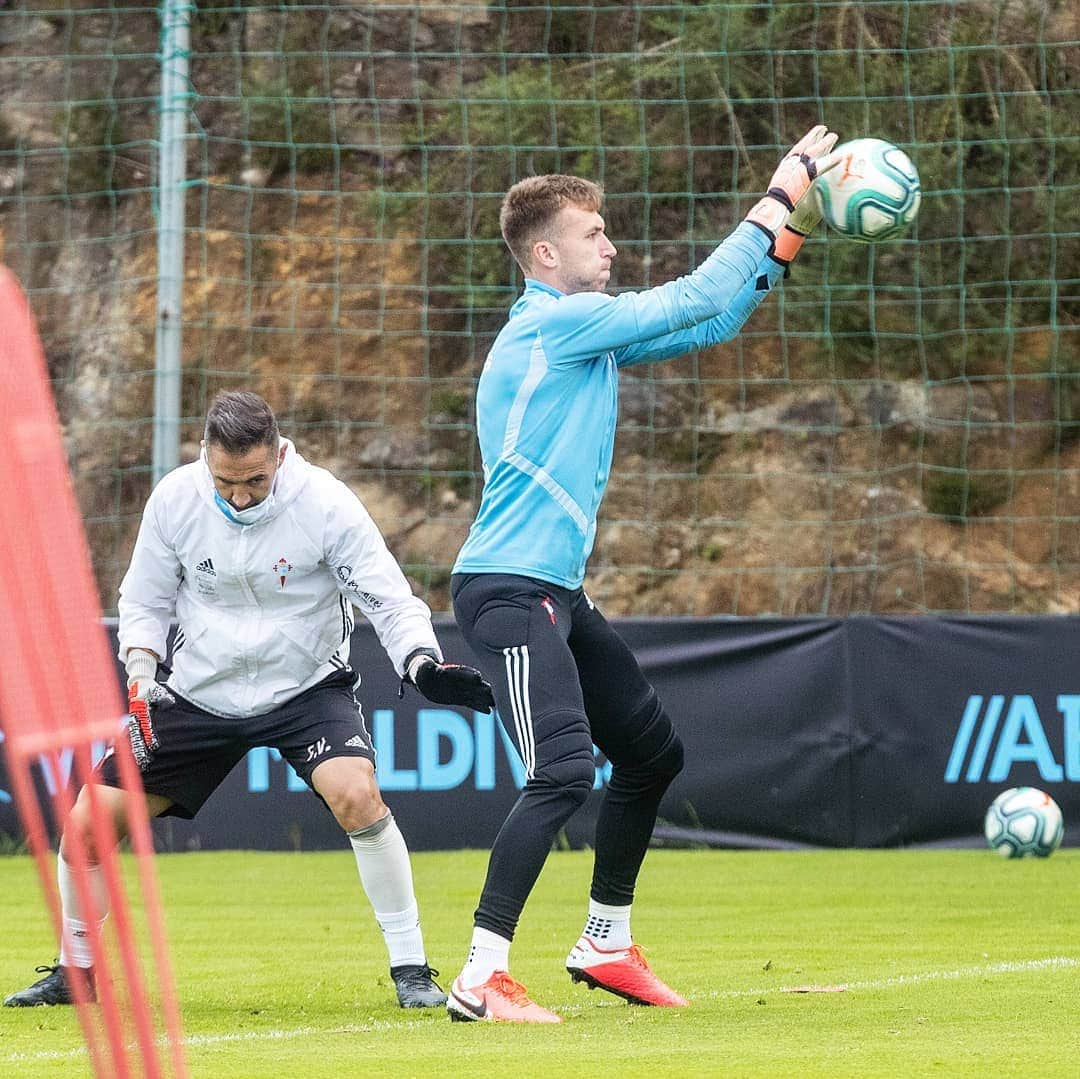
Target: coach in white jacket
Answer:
[[261, 557]]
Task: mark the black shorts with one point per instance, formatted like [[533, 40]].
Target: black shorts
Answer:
[[197, 749]]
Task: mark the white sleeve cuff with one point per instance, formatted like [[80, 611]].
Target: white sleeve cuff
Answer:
[[416, 663], [141, 666]]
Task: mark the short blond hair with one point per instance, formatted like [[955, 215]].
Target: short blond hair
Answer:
[[531, 204]]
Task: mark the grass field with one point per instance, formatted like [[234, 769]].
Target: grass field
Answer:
[[955, 963]]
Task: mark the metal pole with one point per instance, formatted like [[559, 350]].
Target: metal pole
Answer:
[[175, 50]]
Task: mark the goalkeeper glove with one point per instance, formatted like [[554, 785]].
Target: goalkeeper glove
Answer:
[[805, 218], [447, 683], [809, 158], [145, 697]]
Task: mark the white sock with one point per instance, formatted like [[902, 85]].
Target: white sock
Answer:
[[75, 944], [488, 953], [385, 872], [404, 941], [608, 927]]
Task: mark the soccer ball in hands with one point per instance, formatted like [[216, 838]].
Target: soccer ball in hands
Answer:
[[872, 194], [1023, 821]]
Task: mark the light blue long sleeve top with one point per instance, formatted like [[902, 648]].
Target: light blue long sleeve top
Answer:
[[547, 401]]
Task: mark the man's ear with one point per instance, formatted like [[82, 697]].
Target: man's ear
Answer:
[[545, 254]]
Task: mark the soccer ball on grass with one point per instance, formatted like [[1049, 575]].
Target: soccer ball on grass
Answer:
[[872, 194], [1023, 821]]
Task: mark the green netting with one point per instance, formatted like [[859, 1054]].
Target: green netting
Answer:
[[895, 432]]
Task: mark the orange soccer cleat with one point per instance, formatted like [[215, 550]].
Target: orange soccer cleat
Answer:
[[500, 999], [622, 971]]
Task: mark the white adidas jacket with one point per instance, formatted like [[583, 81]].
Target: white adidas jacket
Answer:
[[264, 610]]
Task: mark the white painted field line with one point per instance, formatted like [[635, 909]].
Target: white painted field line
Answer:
[[249, 1036], [1057, 962]]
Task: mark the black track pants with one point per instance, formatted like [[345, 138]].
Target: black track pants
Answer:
[[564, 679]]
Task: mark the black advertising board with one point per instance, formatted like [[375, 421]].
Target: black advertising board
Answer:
[[847, 732]]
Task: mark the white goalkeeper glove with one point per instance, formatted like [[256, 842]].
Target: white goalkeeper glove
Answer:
[[145, 697], [809, 158]]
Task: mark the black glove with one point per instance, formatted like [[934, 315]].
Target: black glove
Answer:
[[448, 683], [144, 699]]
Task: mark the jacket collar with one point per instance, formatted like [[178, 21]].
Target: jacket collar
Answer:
[[531, 284]]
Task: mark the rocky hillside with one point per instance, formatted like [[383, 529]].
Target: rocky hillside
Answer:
[[894, 434]]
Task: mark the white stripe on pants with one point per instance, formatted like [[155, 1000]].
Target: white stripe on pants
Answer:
[[517, 678]]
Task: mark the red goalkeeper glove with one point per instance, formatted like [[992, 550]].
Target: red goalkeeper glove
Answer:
[[145, 697], [809, 158]]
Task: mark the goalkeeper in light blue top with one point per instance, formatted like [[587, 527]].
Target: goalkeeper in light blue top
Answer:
[[547, 399], [563, 679]]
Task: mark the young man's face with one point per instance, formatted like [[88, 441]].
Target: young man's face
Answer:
[[243, 479], [579, 251]]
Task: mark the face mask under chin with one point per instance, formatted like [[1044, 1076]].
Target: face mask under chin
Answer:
[[250, 516]]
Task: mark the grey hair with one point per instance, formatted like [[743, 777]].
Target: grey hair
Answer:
[[239, 420]]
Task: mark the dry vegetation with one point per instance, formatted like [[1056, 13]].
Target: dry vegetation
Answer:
[[897, 439]]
